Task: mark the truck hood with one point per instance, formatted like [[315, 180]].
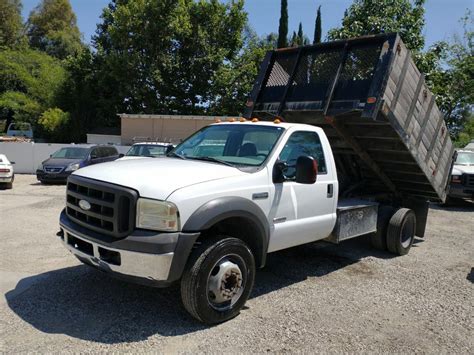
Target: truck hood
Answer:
[[463, 169], [157, 178]]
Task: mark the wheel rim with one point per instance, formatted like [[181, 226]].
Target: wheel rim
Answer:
[[226, 282], [407, 233]]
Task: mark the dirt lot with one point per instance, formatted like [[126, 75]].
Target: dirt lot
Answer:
[[313, 298]]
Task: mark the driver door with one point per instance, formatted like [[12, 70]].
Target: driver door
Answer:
[[302, 213]]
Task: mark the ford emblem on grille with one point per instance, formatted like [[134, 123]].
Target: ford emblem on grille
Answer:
[[85, 205]]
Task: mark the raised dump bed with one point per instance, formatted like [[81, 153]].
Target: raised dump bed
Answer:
[[384, 126]]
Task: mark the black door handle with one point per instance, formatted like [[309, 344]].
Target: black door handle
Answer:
[[330, 190]]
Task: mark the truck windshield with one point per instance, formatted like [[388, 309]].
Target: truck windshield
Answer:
[[465, 158], [146, 150], [71, 153], [231, 144]]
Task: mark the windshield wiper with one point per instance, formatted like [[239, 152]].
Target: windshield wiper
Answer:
[[212, 159], [173, 154]]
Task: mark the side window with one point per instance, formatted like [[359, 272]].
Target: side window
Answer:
[[95, 153], [111, 151], [302, 143]]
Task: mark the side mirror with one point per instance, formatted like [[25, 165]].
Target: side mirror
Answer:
[[277, 175], [169, 149], [12, 163], [51, 155], [121, 155], [306, 170]]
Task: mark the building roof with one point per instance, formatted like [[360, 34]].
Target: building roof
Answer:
[[173, 117]]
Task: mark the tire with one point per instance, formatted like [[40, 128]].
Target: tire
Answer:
[[211, 266], [9, 185], [401, 231], [379, 238]]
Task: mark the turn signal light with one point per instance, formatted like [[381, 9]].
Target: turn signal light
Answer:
[[371, 100]]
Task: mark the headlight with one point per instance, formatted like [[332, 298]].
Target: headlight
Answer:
[[73, 167], [157, 215], [456, 179]]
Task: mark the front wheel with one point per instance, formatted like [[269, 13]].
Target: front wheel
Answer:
[[218, 280]]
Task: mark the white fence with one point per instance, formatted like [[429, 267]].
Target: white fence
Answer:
[[27, 156]]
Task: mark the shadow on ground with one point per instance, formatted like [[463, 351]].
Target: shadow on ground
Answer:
[[470, 276], [86, 304]]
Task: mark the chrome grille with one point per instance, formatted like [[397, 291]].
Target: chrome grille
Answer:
[[469, 180], [53, 169], [111, 208]]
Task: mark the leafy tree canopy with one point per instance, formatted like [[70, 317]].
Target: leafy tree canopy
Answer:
[[29, 83], [10, 23], [234, 80], [365, 17], [163, 56], [453, 80], [52, 28]]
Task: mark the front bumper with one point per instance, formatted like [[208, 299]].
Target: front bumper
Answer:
[[461, 191], [144, 257], [41, 175]]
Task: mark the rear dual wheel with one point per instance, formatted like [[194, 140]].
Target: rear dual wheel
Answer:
[[401, 231], [396, 230]]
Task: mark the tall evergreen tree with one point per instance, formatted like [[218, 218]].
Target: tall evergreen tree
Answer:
[[294, 40], [318, 27], [52, 28], [10, 22], [300, 38], [283, 27]]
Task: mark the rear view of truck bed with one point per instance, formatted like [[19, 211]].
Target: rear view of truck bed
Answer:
[[384, 126]]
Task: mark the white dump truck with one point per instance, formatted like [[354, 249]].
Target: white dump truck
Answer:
[[339, 140]]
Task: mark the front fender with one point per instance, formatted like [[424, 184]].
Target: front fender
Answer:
[[223, 208]]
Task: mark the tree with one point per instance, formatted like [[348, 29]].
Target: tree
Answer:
[[52, 28], [10, 23], [452, 81], [283, 27], [318, 27], [294, 40], [300, 36], [29, 84], [366, 17], [466, 136], [234, 81], [163, 56]]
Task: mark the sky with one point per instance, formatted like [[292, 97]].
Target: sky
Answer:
[[442, 16]]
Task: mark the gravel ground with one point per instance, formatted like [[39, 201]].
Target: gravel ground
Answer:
[[313, 298]]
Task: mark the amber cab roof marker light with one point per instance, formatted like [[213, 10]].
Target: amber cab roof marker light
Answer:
[[255, 119]]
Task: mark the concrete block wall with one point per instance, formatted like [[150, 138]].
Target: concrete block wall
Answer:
[[27, 156]]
